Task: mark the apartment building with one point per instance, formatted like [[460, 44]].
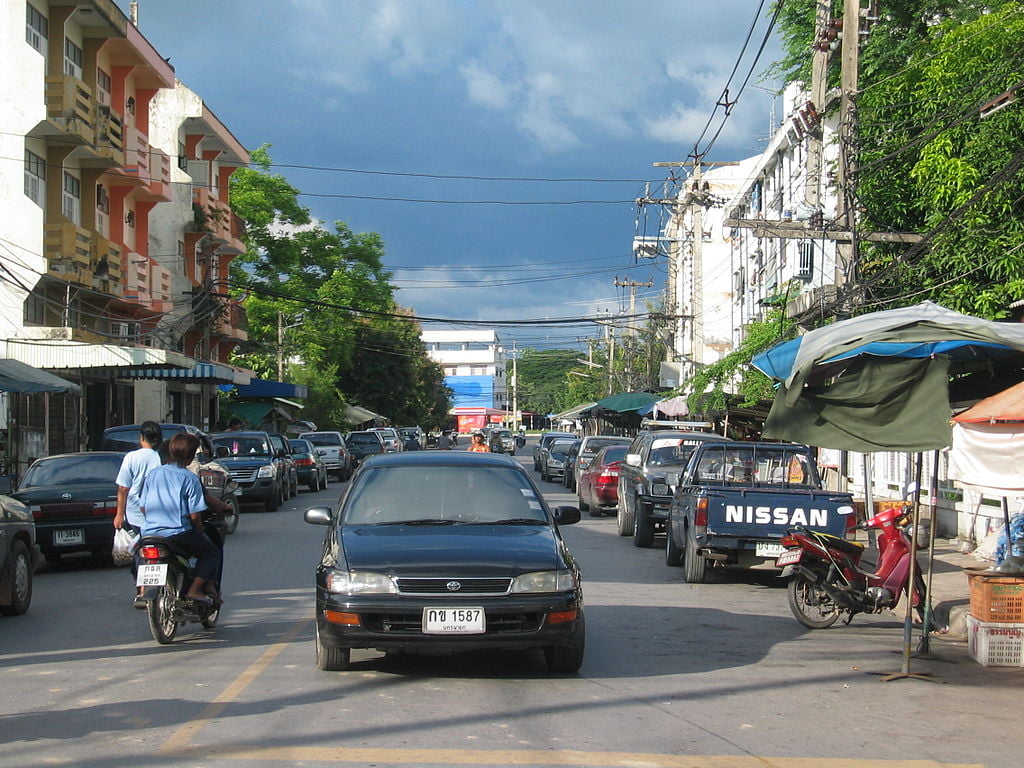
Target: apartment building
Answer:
[[115, 232], [474, 369]]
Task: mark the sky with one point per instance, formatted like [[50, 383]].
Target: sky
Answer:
[[530, 125]]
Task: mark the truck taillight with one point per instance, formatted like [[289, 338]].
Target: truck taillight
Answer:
[[700, 516], [851, 523]]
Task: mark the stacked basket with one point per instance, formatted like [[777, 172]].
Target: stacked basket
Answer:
[[995, 626]]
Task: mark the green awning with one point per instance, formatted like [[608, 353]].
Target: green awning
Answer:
[[627, 401], [255, 413]]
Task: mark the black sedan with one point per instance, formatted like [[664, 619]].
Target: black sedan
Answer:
[[73, 498], [446, 551]]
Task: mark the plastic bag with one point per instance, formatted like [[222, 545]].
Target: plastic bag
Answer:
[[123, 551]]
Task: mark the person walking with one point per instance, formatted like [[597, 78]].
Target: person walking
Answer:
[[477, 444], [135, 466]]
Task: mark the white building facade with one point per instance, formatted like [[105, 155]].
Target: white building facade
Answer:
[[474, 366]]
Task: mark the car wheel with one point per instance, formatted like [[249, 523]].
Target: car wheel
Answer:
[[624, 516], [20, 577], [643, 529], [568, 657], [331, 659], [274, 501], [673, 554], [694, 564], [230, 517], [584, 507]]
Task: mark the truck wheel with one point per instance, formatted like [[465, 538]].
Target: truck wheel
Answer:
[[694, 564], [643, 529], [809, 603], [20, 566], [673, 554], [275, 501], [624, 516]]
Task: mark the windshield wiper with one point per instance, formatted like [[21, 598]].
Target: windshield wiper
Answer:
[[422, 521], [511, 521]]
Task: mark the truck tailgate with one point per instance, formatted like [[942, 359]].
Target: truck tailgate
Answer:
[[769, 513]]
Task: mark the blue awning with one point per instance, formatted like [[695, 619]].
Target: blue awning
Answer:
[[269, 388], [208, 372], [18, 377]]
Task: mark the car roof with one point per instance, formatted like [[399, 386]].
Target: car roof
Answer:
[[80, 454], [240, 432], [443, 459], [707, 436]]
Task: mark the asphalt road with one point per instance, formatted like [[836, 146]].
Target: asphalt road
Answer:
[[712, 675]]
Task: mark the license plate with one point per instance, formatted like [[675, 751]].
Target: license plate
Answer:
[[453, 621], [767, 549], [152, 575], [68, 536], [789, 557]]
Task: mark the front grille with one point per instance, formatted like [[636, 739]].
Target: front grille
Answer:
[[440, 586], [243, 474], [412, 623]]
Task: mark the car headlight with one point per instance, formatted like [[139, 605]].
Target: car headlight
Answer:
[[267, 470], [360, 583], [544, 581], [555, 463], [659, 489]]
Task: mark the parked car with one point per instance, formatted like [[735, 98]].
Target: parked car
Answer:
[[413, 433], [309, 464], [284, 453], [553, 458], [598, 486], [363, 444], [392, 440], [457, 550], [73, 499], [336, 454], [644, 496], [254, 464], [583, 454], [501, 441], [19, 553], [542, 443], [215, 476]]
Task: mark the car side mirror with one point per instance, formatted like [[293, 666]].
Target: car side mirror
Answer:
[[317, 516], [672, 478], [221, 451], [567, 515], [6, 484], [633, 459]]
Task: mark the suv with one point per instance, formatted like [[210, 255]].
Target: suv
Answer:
[[215, 476], [284, 452], [255, 464], [644, 495], [19, 553], [362, 445], [336, 455], [392, 440], [545, 439]]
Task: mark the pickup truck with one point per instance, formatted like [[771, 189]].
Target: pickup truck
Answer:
[[735, 501]]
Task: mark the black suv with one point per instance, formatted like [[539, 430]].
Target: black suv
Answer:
[[256, 465], [644, 495]]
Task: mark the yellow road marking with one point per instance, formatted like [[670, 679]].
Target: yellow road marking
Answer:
[[180, 739], [520, 757]]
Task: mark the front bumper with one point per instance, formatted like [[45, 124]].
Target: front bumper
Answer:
[[259, 489], [656, 507]]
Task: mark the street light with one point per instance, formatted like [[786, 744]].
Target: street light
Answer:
[[281, 328]]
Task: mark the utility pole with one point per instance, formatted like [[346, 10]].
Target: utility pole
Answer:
[[847, 254], [515, 390], [819, 86], [632, 285], [280, 346]]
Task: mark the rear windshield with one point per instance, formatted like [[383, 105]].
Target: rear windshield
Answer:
[[324, 439], [243, 445], [780, 466], [72, 470], [127, 438], [596, 444], [299, 446], [561, 446], [442, 495], [363, 440], [618, 453]]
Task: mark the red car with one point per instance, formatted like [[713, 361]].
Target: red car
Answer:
[[599, 482]]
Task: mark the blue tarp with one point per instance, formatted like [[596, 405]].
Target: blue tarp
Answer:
[[269, 388]]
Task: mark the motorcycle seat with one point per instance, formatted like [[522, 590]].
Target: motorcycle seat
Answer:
[[849, 547], [165, 542]]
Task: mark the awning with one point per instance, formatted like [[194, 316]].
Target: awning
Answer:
[[355, 414], [577, 411], [18, 377], [627, 401], [256, 413], [69, 355], [205, 372], [270, 388]]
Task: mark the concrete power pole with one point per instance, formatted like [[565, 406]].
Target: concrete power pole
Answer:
[[846, 263], [515, 389]]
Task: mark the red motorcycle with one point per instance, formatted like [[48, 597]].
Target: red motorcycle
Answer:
[[827, 579]]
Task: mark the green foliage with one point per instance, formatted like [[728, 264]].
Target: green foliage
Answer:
[[544, 380]]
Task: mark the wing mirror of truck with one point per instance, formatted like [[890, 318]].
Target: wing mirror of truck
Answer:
[[672, 479], [633, 459]]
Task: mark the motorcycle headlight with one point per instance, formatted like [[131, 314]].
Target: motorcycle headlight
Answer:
[[544, 581], [659, 489], [360, 583], [267, 470]]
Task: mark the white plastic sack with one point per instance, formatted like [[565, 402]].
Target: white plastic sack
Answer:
[[124, 546]]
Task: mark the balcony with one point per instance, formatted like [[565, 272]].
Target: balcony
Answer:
[[232, 322], [145, 167], [109, 135], [214, 217], [106, 265], [70, 109], [69, 253]]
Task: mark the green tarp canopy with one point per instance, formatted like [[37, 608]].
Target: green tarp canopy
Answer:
[[627, 401], [16, 376]]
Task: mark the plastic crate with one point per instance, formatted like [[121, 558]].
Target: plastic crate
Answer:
[[995, 644], [996, 598]]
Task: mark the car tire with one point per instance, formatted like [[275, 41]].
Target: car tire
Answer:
[[694, 565], [567, 658], [19, 576], [273, 503], [331, 659], [624, 516], [643, 529], [584, 507], [230, 518], [673, 554]]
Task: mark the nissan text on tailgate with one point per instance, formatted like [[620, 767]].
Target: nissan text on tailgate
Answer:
[[735, 501]]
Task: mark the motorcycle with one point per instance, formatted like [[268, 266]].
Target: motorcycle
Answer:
[[165, 573], [827, 580]]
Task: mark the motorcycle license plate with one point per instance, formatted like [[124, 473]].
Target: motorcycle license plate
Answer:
[[453, 621], [789, 557], [67, 536], [152, 575], [768, 549]]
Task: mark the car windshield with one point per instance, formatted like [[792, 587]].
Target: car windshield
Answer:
[[503, 433], [243, 445], [323, 440], [72, 470], [442, 495], [363, 440]]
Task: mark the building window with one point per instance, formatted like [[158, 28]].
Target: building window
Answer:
[[478, 370], [35, 177], [805, 269], [102, 87], [71, 199], [450, 370], [35, 310], [37, 29], [72, 59]]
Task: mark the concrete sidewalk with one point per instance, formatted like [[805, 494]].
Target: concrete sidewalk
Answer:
[[949, 587]]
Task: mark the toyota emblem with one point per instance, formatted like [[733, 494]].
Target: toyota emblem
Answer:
[[453, 586], [65, 495]]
